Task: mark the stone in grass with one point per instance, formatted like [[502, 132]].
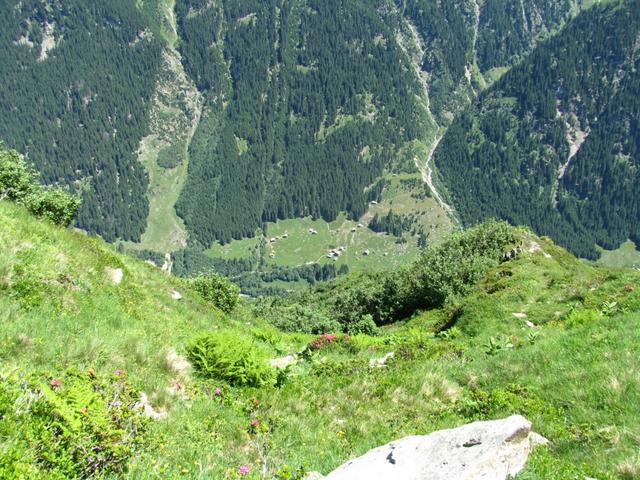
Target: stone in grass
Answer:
[[115, 275], [493, 450], [283, 362]]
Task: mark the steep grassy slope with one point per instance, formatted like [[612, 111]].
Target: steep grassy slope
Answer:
[[544, 335]]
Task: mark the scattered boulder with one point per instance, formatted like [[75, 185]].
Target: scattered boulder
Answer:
[[381, 362], [177, 363], [493, 450], [283, 362], [144, 405], [115, 275], [313, 476]]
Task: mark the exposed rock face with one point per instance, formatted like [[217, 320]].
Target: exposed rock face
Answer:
[[494, 450]]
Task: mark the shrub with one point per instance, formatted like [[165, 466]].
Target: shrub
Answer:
[[218, 290], [54, 204], [19, 183], [296, 317], [454, 266], [364, 325], [581, 316], [230, 357], [328, 339], [67, 426], [16, 179]]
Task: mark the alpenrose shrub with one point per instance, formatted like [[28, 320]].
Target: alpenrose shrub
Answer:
[[232, 358], [75, 425], [328, 339]]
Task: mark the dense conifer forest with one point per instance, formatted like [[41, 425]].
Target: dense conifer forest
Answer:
[[554, 144], [307, 104], [76, 78]]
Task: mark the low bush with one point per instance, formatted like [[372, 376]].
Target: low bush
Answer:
[[218, 290], [363, 326], [54, 204], [296, 317], [232, 358], [328, 340], [453, 267], [77, 425], [19, 183]]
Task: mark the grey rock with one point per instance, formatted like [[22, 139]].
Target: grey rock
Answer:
[[493, 450]]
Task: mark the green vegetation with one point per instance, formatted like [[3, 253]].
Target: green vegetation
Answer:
[[230, 357], [75, 426], [334, 98], [153, 114], [77, 81], [360, 302], [554, 143], [218, 290], [625, 256], [534, 332], [19, 183]]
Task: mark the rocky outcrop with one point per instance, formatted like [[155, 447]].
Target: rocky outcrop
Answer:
[[493, 450]]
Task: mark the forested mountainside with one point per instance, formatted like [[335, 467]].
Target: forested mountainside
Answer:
[[76, 79], [292, 108], [555, 142], [308, 102]]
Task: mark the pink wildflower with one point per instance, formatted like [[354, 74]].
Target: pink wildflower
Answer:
[[55, 382], [243, 470], [119, 372], [218, 392]]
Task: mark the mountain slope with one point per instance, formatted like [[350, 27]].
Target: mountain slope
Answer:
[[335, 94], [554, 143], [574, 373], [77, 83]]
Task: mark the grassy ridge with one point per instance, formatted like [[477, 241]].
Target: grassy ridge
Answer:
[[544, 335]]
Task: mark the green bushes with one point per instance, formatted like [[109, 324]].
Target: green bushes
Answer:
[[230, 357], [74, 426], [291, 316], [440, 274], [218, 290], [450, 269], [359, 303], [19, 183]]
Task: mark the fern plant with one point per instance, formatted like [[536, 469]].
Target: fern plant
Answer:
[[231, 358]]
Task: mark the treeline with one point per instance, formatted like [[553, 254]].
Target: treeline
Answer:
[[79, 109], [246, 273], [509, 155]]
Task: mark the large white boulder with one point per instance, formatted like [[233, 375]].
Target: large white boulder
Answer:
[[493, 450]]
